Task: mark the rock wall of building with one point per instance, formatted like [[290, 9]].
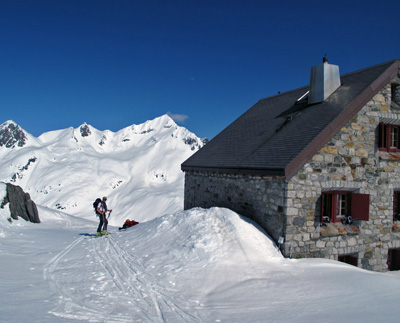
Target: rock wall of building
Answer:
[[350, 161], [259, 198]]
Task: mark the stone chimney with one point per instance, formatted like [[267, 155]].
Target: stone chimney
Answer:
[[325, 79]]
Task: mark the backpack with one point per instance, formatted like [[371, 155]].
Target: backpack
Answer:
[[96, 203]]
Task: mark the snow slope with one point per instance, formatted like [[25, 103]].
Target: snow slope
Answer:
[[137, 168], [191, 266]]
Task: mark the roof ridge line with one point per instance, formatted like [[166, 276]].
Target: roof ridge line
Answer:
[[370, 68], [344, 75]]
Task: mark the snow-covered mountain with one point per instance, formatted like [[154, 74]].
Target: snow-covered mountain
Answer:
[[67, 169]]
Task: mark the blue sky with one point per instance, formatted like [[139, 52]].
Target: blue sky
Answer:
[[116, 63]]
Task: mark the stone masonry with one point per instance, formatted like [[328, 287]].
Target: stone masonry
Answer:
[[350, 161]]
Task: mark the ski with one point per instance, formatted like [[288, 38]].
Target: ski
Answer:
[[102, 235]]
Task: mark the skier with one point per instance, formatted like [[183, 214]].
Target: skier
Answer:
[[101, 211]]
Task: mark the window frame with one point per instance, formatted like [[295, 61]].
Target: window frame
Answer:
[[330, 205], [389, 137]]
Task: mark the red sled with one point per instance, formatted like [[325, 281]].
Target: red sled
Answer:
[[128, 223]]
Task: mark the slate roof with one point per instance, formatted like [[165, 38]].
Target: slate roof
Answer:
[[277, 136]]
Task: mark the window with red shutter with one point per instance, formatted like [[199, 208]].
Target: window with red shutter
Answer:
[[389, 137], [341, 206]]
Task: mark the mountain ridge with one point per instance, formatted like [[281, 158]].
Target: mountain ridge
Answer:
[[11, 134], [67, 169]]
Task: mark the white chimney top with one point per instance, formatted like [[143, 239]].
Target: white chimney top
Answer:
[[325, 79]]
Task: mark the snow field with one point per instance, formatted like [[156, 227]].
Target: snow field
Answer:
[[191, 266]]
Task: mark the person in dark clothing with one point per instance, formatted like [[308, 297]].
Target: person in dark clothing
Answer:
[[101, 211]]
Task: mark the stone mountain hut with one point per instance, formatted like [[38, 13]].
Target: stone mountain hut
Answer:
[[317, 167]]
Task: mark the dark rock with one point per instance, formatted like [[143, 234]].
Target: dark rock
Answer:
[[12, 135], [85, 131], [21, 204], [103, 140], [193, 142]]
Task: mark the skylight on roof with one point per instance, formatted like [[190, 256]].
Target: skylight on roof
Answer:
[[303, 97]]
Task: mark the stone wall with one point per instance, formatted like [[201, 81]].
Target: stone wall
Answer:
[[259, 198], [350, 161]]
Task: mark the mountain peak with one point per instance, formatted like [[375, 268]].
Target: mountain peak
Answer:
[[164, 120], [12, 135], [85, 130]]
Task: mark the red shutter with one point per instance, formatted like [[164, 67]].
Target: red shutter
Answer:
[[360, 206], [388, 130], [381, 135]]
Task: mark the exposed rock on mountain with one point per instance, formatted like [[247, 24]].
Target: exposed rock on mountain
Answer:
[[85, 130], [21, 204], [194, 142], [11, 135]]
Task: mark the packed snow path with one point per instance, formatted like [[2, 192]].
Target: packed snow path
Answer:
[[115, 286]]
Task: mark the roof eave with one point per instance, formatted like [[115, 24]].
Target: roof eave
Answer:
[[276, 172]]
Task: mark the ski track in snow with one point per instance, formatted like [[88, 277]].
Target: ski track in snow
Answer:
[[115, 286]]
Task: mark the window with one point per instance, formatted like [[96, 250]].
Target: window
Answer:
[[335, 206], [349, 259], [393, 260], [389, 137], [395, 93], [396, 205], [303, 98], [344, 206]]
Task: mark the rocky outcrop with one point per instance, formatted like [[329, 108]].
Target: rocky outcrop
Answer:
[[21, 204], [11, 135], [85, 130]]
